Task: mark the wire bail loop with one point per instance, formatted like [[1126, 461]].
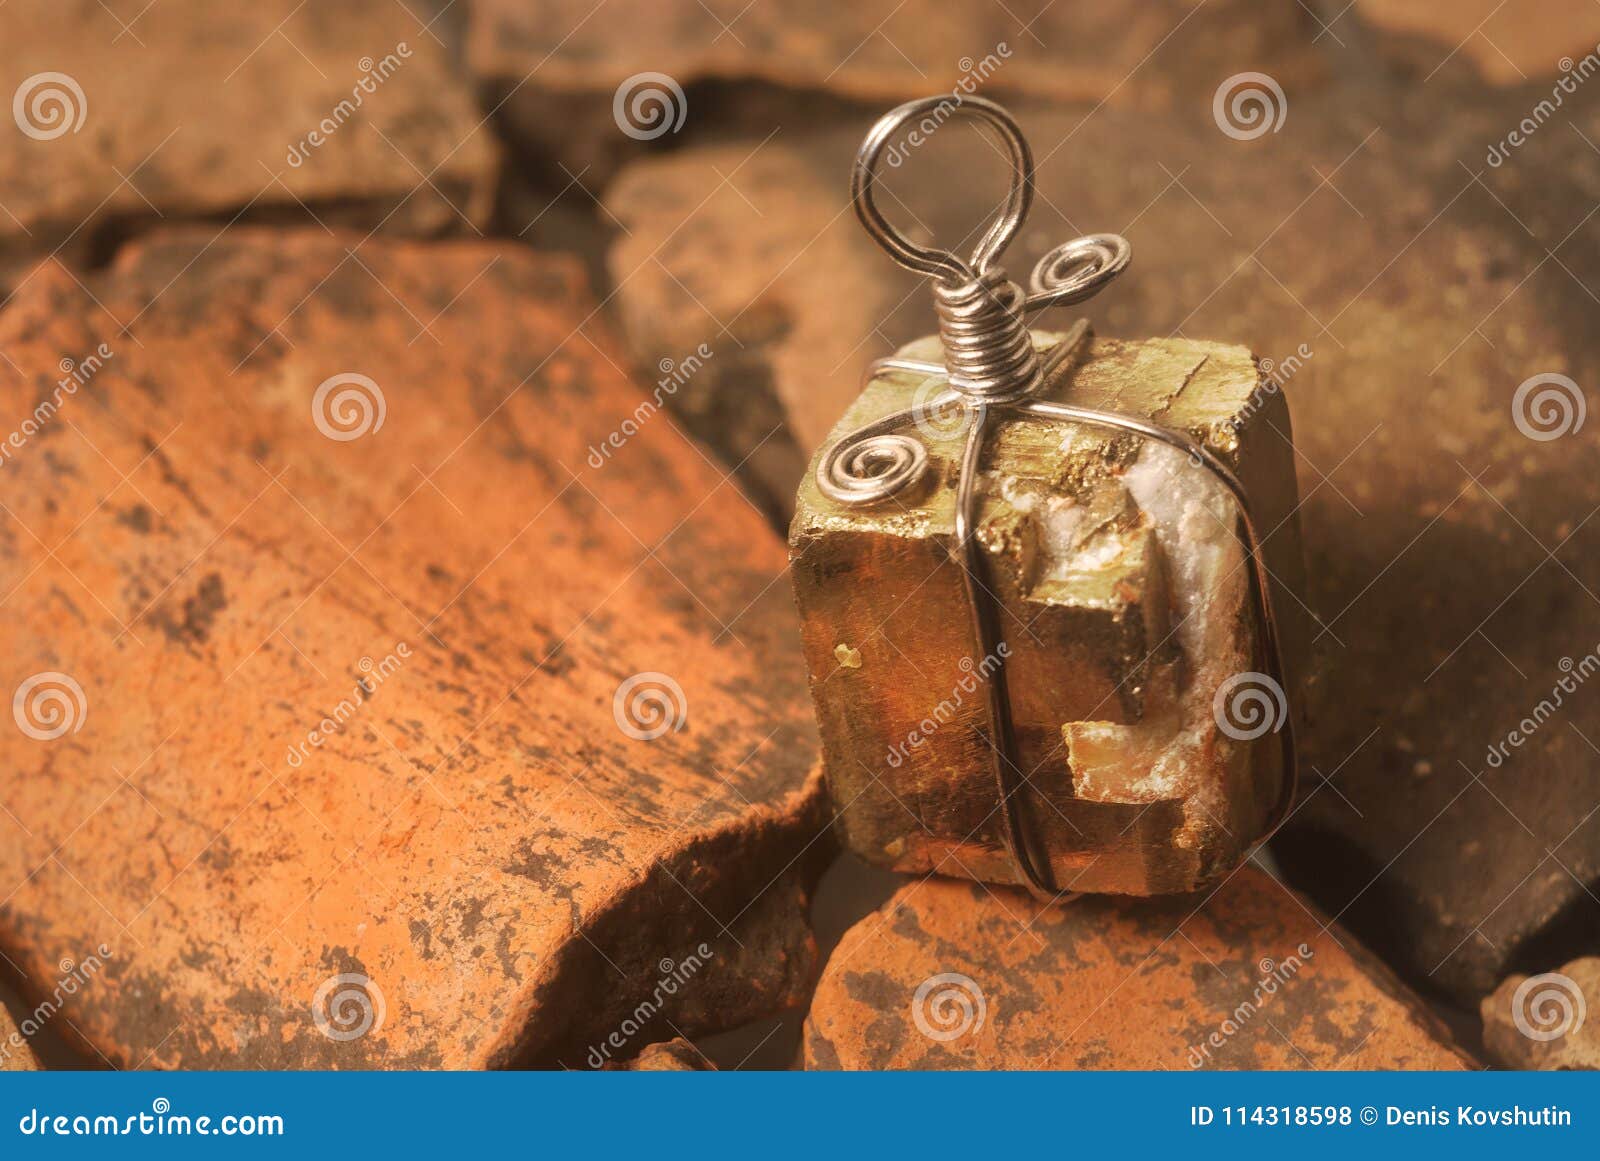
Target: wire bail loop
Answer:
[[988, 351]]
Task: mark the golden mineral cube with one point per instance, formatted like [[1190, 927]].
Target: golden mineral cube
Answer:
[[1126, 621]]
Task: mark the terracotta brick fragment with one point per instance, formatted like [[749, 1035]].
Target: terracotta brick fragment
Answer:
[[564, 67], [193, 108], [1400, 304], [950, 975], [1547, 1021], [401, 737]]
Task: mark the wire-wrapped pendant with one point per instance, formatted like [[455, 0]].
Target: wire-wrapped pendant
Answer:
[[1036, 571]]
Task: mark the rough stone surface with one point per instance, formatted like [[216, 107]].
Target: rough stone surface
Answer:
[[1125, 612], [675, 1055], [751, 275], [949, 975], [557, 65], [193, 108], [348, 739], [1402, 290], [1548, 1021], [15, 1054], [1506, 43]]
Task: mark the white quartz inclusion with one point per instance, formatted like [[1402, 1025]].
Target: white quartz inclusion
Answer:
[[1172, 752]]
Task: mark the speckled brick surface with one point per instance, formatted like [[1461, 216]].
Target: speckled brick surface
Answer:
[[349, 766], [948, 975]]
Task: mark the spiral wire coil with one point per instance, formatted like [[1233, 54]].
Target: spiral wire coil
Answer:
[[991, 364]]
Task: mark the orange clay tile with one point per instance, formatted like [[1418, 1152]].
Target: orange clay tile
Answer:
[[954, 975], [340, 776]]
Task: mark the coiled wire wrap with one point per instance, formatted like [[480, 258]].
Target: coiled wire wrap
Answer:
[[990, 363], [988, 352]]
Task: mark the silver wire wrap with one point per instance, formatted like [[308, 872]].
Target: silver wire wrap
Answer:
[[991, 365], [988, 352]]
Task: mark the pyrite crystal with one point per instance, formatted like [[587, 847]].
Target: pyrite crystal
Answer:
[[1126, 627]]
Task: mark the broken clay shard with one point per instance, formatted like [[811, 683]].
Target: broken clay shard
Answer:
[[328, 110], [1128, 632], [582, 89], [355, 779], [952, 975]]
